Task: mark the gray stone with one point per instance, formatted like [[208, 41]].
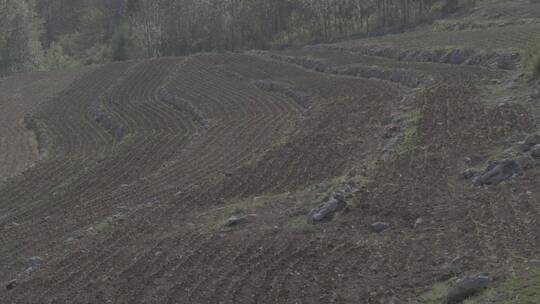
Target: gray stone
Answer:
[[457, 56], [37, 261], [535, 151], [326, 211], [236, 220], [393, 119], [120, 212], [467, 287], [28, 271], [419, 221], [379, 227], [498, 172]]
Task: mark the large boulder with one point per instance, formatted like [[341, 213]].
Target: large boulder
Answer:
[[236, 220], [379, 227], [498, 172], [326, 211], [467, 287]]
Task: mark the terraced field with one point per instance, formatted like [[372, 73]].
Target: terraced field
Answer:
[[143, 163], [20, 95], [509, 37]]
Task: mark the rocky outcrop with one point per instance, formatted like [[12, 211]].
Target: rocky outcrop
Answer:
[[499, 171], [237, 220], [41, 137], [506, 61], [325, 211], [407, 77], [116, 129], [183, 105], [303, 99]]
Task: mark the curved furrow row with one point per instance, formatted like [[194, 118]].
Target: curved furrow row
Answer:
[[65, 132], [75, 134], [116, 166], [248, 254], [253, 112], [137, 98], [217, 136]]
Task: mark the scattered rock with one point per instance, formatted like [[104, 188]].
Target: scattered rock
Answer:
[[326, 211], [393, 119], [467, 287], [236, 220], [391, 131], [498, 172], [303, 99], [120, 212], [419, 221], [28, 271], [535, 151], [379, 227], [37, 261], [11, 284], [183, 105]]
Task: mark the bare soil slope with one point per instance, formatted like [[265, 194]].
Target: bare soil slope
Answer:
[[148, 160]]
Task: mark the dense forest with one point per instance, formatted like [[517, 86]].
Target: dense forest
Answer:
[[57, 34]]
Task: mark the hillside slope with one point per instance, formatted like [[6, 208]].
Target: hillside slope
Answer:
[[191, 179]]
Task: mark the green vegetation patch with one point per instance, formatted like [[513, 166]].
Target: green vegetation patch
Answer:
[[524, 289], [532, 59], [437, 294], [409, 141]]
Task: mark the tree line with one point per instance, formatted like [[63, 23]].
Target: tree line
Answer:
[[57, 34]]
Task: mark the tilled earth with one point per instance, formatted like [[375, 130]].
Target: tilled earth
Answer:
[[140, 218]]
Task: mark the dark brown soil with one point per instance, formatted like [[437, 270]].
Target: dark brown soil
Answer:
[[141, 220]]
